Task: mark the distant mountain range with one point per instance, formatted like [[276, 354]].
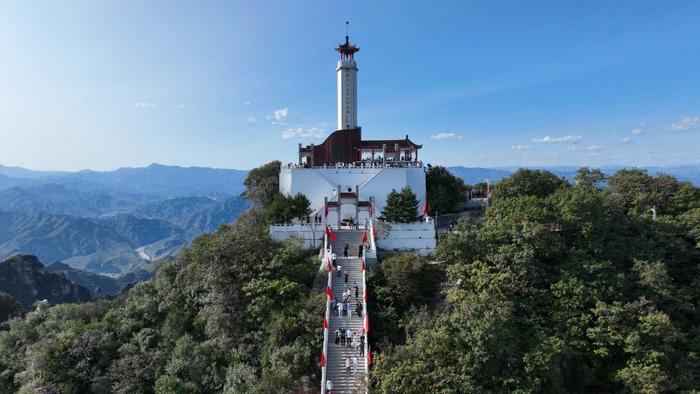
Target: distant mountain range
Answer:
[[117, 222], [473, 175], [156, 181]]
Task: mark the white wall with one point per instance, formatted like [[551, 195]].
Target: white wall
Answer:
[[317, 183], [282, 232], [418, 237]]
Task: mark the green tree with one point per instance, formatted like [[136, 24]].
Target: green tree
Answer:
[[262, 184], [401, 207], [589, 177], [526, 182], [445, 191], [283, 208]]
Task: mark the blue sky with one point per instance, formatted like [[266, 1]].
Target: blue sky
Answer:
[[101, 85]]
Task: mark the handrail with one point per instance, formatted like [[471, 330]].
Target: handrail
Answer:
[[364, 315], [328, 253]]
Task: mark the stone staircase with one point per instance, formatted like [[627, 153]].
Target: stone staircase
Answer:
[[344, 382]]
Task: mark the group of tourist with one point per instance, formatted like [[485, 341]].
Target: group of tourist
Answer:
[[347, 337], [345, 306]]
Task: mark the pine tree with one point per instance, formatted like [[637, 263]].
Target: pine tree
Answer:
[[401, 206]]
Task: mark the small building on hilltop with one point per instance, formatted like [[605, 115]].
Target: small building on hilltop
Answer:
[[347, 179]]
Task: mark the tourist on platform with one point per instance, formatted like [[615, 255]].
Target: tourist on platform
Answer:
[[347, 365], [340, 310], [356, 288], [346, 277], [329, 386], [354, 365], [347, 290], [340, 269], [358, 309], [349, 335], [362, 346], [337, 337], [342, 337], [345, 296], [349, 310], [346, 250], [334, 257], [362, 333], [359, 250]]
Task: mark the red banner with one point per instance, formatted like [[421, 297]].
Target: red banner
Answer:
[[323, 359], [369, 356], [364, 237], [426, 207], [329, 292], [366, 322], [325, 323]]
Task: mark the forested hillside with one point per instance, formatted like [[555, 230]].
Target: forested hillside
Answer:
[[235, 313], [560, 288]]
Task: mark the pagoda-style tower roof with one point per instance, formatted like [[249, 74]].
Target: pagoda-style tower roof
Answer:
[[347, 50]]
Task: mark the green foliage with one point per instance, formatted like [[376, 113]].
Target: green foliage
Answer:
[[525, 182], [445, 191], [401, 206], [235, 313], [262, 184], [283, 208], [589, 177], [558, 289]]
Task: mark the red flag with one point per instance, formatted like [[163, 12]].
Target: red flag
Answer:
[[364, 237], [426, 207], [332, 235], [325, 323], [365, 294], [329, 292], [366, 322], [369, 356], [323, 359], [362, 267], [328, 231]]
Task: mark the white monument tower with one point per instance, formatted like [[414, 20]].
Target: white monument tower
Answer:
[[347, 85]]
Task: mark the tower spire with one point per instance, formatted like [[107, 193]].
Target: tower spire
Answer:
[[347, 83]]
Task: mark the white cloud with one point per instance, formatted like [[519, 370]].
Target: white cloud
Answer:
[[685, 124], [573, 139], [314, 132], [144, 105], [520, 147], [247, 103], [589, 148], [637, 131], [593, 154], [446, 136], [595, 148], [279, 116], [627, 140], [251, 119]]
